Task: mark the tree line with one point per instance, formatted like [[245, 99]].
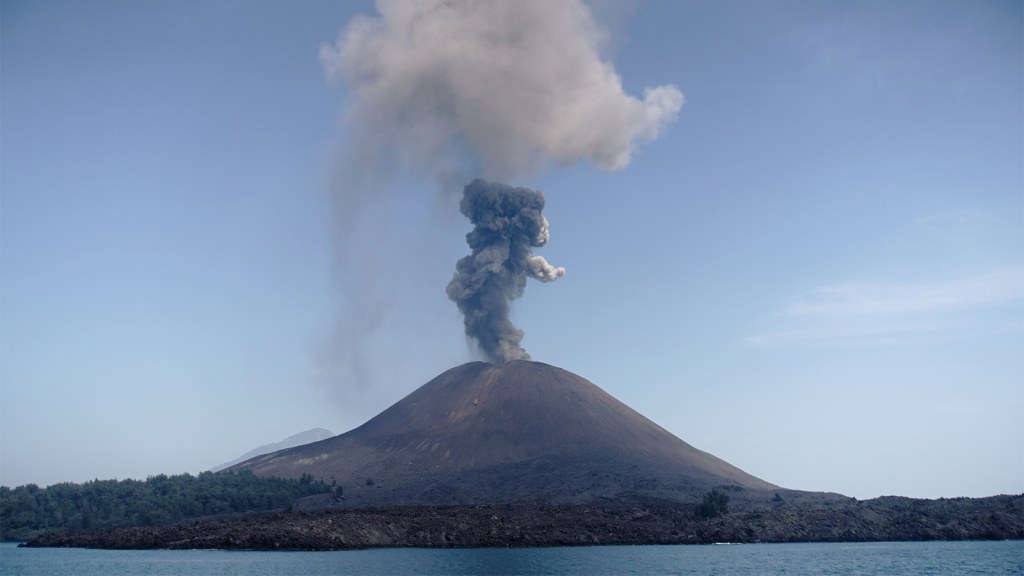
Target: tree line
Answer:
[[29, 510]]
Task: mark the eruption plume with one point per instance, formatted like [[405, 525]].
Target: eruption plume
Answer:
[[507, 225], [449, 90]]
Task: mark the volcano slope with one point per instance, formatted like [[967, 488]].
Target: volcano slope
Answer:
[[515, 432]]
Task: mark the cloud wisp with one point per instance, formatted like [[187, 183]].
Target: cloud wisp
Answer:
[[886, 313]]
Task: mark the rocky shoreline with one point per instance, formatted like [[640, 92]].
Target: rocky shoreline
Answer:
[[538, 525]]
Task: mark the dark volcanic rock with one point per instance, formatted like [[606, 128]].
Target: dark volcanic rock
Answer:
[[519, 525], [509, 433]]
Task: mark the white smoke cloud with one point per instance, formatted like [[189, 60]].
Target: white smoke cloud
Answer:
[[538, 266], [507, 86], [542, 270]]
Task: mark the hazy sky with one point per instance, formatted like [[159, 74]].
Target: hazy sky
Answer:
[[815, 273]]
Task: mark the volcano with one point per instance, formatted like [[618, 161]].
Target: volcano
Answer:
[[520, 431]]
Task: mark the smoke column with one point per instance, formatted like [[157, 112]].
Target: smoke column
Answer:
[[447, 90], [508, 224]]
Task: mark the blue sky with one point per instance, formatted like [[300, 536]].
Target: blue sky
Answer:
[[816, 272]]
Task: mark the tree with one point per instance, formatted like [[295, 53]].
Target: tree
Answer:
[[29, 510], [713, 504]]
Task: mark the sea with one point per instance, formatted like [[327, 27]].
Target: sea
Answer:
[[885, 558]]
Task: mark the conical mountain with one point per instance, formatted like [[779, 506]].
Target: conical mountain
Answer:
[[514, 432]]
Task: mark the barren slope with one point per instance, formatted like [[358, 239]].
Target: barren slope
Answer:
[[519, 431]]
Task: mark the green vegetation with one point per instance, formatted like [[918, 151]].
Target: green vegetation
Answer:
[[29, 510], [713, 504]]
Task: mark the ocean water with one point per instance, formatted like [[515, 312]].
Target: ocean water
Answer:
[[888, 558]]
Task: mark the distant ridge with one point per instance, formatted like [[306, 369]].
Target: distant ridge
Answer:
[[515, 432], [314, 435]]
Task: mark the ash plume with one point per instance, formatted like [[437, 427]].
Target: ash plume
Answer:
[[440, 92], [507, 225]]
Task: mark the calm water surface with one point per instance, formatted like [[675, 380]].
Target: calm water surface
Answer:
[[946, 558]]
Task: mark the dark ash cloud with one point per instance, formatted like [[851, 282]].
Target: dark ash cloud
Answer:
[[508, 223]]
